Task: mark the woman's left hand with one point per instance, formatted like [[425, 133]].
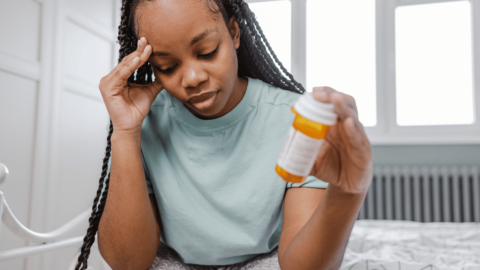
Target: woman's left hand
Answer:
[[345, 159]]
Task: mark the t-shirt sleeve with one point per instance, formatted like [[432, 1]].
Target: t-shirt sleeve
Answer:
[[310, 181], [147, 176]]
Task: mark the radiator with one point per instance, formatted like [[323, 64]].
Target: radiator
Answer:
[[425, 194]]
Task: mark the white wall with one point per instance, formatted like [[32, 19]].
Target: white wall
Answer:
[[53, 123]]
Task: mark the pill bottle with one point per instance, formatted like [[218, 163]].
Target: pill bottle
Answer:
[[305, 137]]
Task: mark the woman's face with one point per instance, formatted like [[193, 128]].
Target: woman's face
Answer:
[[194, 53]]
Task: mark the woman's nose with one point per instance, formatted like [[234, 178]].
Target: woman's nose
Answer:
[[193, 76]]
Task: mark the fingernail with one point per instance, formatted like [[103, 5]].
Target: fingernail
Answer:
[[321, 95], [136, 59], [142, 38], [146, 48]]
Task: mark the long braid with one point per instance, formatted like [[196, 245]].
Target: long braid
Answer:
[[283, 69], [259, 49], [101, 206], [94, 217], [241, 11], [128, 43], [254, 60]]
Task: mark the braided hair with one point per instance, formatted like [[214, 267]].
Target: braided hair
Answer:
[[256, 59]]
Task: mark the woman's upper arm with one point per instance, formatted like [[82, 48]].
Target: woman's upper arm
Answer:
[[298, 206]]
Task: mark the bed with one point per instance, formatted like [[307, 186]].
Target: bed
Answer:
[[407, 245], [373, 244]]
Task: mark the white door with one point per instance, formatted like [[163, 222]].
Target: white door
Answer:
[[53, 123]]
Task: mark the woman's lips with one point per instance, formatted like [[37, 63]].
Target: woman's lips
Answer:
[[204, 101]]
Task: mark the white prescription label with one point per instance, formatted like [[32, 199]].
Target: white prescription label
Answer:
[[299, 153]]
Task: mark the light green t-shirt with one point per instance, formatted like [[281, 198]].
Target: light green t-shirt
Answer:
[[219, 197]]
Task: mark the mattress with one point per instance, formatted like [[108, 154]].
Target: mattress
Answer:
[[407, 245]]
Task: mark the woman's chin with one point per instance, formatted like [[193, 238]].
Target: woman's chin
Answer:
[[207, 109]]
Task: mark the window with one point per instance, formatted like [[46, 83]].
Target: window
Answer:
[[413, 66], [434, 84], [341, 50], [274, 18]]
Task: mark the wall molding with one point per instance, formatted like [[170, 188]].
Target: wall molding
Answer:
[[82, 88], [85, 22], [19, 67], [399, 139], [83, 94], [422, 2]]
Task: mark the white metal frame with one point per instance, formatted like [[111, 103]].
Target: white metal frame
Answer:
[[47, 241], [387, 131]]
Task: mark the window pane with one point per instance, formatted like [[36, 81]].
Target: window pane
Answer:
[[341, 50], [434, 64], [274, 18]]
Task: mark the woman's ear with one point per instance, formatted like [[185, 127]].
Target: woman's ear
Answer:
[[234, 31]]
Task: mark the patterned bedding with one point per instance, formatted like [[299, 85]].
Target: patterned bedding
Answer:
[[405, 245], [378, 245]]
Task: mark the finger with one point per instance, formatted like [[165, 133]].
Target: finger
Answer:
[[141, 44], [123, 73], [126, 70], [156, 86], [343, 105], [354, 135], [147, 51], [323, 93], [353, 127], [351, 102]]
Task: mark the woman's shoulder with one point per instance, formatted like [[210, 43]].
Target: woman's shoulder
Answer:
[[271, 95]]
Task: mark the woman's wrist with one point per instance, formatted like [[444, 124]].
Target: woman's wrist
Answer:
[[130, 136]]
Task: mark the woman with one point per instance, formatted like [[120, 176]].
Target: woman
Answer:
[[193, 152]]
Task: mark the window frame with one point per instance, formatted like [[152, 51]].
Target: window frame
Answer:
[[387, 131]]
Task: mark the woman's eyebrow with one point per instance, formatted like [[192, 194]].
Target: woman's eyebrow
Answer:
[[196, 39], [158, 53], [203, 35]]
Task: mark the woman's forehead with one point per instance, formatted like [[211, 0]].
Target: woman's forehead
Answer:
[[176, 20]]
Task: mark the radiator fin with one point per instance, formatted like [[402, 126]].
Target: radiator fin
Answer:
[[425, 194]]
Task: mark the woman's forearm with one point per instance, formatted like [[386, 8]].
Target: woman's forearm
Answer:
[[127, 233], [321, 243]]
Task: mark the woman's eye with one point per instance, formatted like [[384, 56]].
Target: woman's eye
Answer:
[[168, 70], [208, 54]]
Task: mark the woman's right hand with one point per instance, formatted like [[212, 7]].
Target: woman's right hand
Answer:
[[128, 104]]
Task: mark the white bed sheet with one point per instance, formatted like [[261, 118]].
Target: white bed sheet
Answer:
[[406, 245]]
